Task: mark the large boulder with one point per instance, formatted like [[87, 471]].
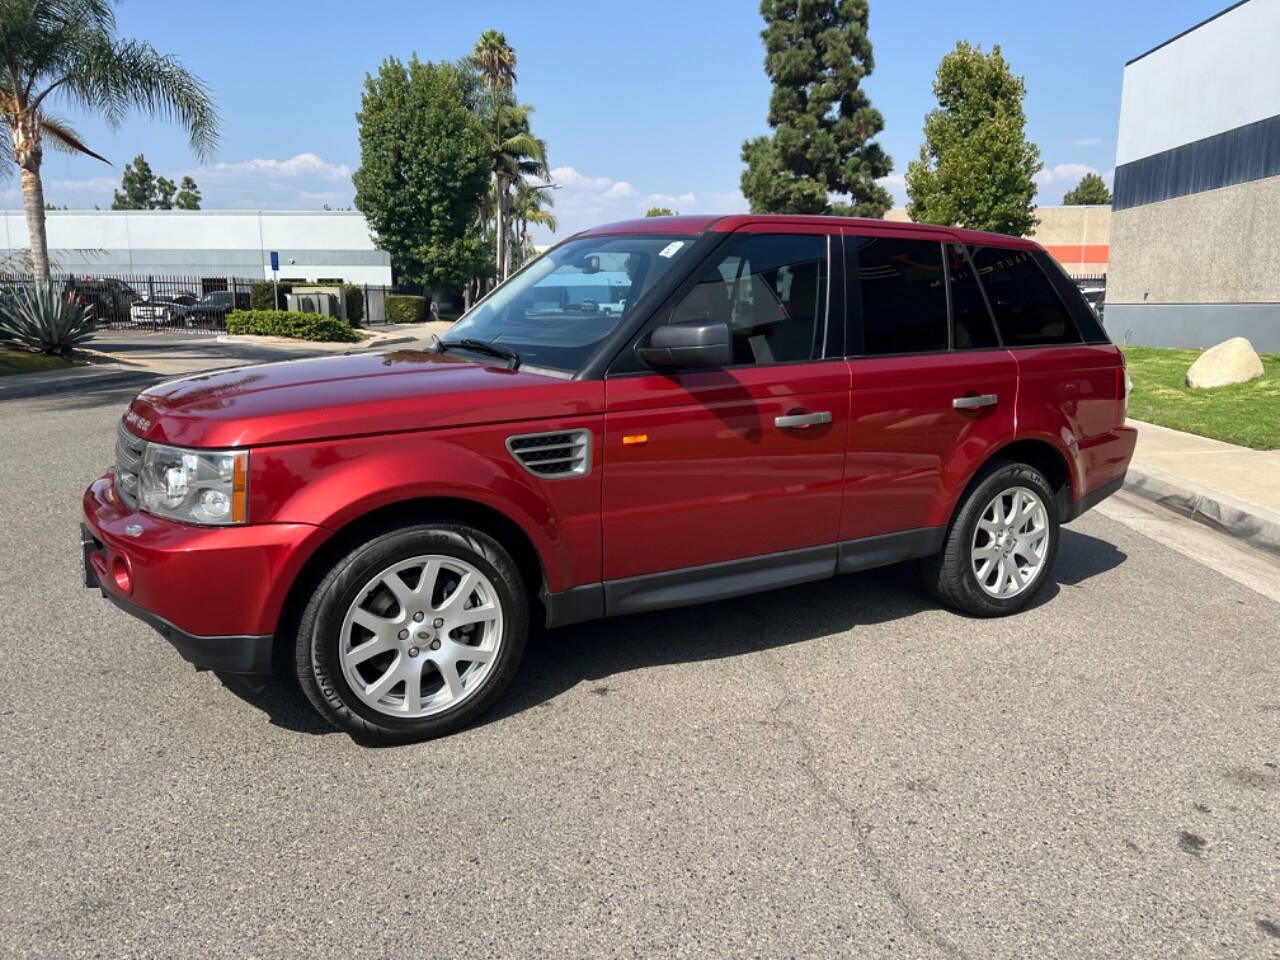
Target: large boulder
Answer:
[[1232, 361]]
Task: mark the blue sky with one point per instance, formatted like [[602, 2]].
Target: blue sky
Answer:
[[641, 107]]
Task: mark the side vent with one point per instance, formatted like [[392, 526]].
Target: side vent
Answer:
[[566, 453]]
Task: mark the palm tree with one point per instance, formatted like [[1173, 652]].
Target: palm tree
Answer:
[[67, 50], [528, 208], [496, 62], [517, 154]]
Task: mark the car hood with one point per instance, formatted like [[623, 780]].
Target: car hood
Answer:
[[350, 395]]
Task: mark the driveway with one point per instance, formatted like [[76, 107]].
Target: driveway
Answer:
[[838, 769]]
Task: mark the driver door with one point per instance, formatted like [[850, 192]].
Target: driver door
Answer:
[[740, 467]]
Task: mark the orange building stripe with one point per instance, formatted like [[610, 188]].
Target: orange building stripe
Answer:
[[1077, 253]]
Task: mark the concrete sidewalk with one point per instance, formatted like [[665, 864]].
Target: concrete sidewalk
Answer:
[[1234, 489]]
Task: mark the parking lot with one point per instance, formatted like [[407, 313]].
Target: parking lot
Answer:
[[839, 769]]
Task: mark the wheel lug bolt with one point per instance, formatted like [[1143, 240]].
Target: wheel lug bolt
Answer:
[[419, 617], [413, 651], [435, 644], [404, 634], [438, 622]]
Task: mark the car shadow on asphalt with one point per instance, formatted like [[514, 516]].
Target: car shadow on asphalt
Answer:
[[559, 660]]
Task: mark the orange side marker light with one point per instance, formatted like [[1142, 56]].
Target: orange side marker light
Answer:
[[634, 439]]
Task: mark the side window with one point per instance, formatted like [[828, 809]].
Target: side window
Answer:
[[772, 292], [1081, 312], [971, 327], [903, 300], [1028, 310]]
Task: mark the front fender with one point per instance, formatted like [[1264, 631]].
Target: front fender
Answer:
[[336, 482]]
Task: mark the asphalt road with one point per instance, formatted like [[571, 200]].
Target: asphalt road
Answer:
[[840, 769]]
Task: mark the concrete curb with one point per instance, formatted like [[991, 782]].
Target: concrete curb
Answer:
[[1255, 525], [27, 388]]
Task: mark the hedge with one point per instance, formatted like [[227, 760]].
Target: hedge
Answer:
[[289, 323], [262, 295], [353, 293], [402, 308]]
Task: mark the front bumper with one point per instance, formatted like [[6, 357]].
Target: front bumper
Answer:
[[215, 593]]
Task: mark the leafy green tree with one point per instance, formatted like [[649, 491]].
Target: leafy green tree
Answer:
[[425, 162], [67, 50], [137, 186], [163, 198], [188, 195], [817, 53], [660, 212], [976, 166], [1091, 189]]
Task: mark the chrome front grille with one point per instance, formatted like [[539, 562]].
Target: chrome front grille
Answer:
[[128, 464], [565, 453]]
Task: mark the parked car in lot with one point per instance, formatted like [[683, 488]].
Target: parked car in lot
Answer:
[[777, 400], [110, 299], [212, 308], [169, 309]]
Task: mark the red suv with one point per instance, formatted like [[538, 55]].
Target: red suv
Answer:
[[654, 413]]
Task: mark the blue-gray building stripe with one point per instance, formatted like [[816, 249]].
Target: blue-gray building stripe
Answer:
[[1247, 153]]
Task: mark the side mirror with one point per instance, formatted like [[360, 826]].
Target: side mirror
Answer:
[[688, 344]]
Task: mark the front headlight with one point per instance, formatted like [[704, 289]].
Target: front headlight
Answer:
[[195, 486]]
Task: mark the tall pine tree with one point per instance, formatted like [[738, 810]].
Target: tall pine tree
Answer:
[[976, 166], [817, 52]]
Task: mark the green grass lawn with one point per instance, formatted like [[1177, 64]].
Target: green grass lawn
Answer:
[[1247, 413], [20, 361]]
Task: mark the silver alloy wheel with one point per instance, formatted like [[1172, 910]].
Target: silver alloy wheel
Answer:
[[421, 637], [1010, 542]]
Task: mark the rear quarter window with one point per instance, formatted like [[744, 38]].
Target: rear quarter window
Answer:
[[1028, 310], [1087, 321]]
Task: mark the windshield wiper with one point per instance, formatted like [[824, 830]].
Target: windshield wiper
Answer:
[[485, 347]]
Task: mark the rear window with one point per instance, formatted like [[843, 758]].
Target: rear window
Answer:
[[1028, 311], [903, 300]]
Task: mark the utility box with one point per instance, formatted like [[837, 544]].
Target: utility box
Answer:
[[324, 300]]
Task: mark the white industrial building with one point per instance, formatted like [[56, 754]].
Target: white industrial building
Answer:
[[314, 246], [1195, 224]]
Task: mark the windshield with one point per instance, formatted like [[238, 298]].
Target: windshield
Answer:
[[558, 309]]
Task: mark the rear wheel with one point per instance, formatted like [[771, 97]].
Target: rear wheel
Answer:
[[413, 634], [1001, 544]]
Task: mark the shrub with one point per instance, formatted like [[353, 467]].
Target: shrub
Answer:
[[43, 318], [353, 293], [402, 308], [262, 296], [288, 323]]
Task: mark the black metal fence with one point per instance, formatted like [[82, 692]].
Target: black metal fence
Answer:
[[172, 303]]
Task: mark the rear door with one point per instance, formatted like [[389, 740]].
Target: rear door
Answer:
[[707, 466], [933, 392], [1065, 380]]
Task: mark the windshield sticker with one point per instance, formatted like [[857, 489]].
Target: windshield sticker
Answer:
[[671, 249]]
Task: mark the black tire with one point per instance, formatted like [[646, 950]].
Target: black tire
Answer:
[[320, 630], [949, 575]]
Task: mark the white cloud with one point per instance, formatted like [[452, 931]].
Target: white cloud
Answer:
[[1053, 181], [302, 182], [584, 201], [1086, 142]]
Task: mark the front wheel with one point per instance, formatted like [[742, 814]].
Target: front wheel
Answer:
[[1001, 544], [413, 634]]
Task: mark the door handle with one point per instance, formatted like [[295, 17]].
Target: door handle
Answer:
[[973, 403], [793, 421]]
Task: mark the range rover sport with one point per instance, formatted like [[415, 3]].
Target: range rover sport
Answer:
[[653, 413]]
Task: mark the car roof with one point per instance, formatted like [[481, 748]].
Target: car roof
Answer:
[[713, 223]]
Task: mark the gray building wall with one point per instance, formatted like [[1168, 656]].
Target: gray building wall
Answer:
[[1195, 229]]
